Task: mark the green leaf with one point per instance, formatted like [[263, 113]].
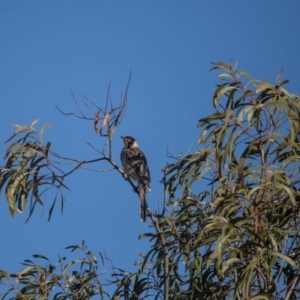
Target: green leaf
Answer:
[[259, 297], [91, 254], [246, 74], [19, 130], [40, 256], [222, 65], [4, 273], [73, 262], [220, 92], [285, 258], [41, 132], [228, 263], [51, 209], [47, 148], [263, 86]]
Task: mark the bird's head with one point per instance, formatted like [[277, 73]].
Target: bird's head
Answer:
[[130, 141]]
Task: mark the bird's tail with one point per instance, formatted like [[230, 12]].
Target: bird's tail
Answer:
[[143, 203]]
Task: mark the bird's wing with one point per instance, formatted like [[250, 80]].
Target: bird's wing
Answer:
[[138, 161]]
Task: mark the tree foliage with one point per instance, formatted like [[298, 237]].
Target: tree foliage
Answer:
[[28, 171], [229, 227]]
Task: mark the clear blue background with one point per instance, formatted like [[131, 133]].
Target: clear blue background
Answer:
[[48, 46]]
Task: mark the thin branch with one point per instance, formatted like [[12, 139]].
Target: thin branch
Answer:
[[97, 171], [76, 102], [107, 96], [78, 163], [116, 167], [89, 108], [87, 99], [72, 114]]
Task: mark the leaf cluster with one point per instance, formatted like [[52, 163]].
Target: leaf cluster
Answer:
[[78, 279], [28, 172], [233, 231]]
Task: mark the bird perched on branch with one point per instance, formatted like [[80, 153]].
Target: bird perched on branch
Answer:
[[135, 166]]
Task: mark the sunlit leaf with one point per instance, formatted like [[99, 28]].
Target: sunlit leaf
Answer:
[[220, 92], [285, 258], [4, 274], [263, 86], [41, 132]]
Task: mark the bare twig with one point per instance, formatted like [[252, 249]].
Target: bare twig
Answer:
[[93, 103], [76, 103], [72, 114], [110, 115]]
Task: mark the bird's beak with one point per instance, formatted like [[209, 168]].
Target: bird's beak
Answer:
[[122, 137]]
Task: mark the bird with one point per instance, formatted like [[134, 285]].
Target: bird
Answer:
[[135, 166]]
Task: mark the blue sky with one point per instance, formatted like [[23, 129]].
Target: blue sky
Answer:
[[48, 47]]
